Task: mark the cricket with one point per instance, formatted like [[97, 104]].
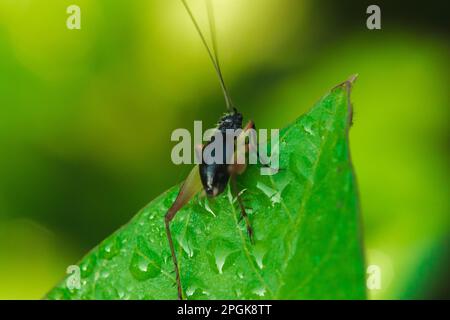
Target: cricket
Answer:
[[211, 178]]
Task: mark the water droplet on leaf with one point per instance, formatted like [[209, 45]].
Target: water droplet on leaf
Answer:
[[221, 255], [258, 253], [260, 292], [308, 129], [145, 263], [208, 208], [186, 245], [110, 248], [88, 265]]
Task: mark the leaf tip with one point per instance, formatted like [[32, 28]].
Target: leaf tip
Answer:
[[353, 78], [347, 83]]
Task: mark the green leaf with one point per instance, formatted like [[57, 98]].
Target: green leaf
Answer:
[[305, 219]]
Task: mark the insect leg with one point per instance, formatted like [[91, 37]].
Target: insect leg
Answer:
[[239, 168], [168, 218], [235, 190], [190, 187], [253, 148]]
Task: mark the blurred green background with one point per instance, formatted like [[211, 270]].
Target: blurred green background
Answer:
[[86, 117]]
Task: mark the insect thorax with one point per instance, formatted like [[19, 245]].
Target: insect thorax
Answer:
[[231, 120]]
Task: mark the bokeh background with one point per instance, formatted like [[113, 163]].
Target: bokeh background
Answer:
[[86, 117]]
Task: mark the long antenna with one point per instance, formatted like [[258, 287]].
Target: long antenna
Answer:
[[212, 53]]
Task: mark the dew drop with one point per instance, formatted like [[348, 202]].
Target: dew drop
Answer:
[[195, 289], [224, 255], [258, 254], [208, 208], [186, 246], [308, 129], [206, 293], [122, 295], [145, 263], [260, 292], [110, 249], [259, 261], [190, 291], [221, 254], [104, 274], [88, 265], [220, 261]]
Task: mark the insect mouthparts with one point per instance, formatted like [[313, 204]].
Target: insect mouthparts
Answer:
[[212, 191]]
